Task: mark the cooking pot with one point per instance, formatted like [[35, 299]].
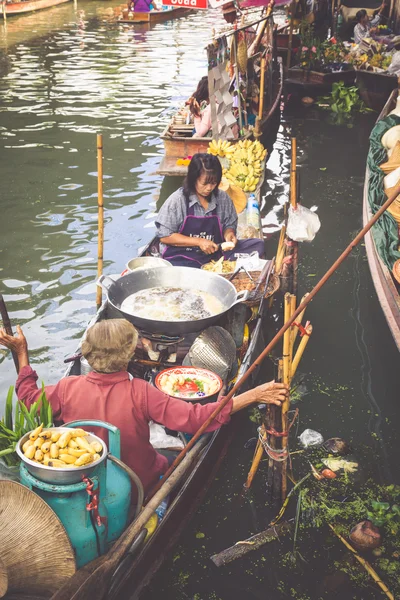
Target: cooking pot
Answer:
[[177, 277]]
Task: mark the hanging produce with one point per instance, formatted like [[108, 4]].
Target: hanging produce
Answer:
[[245, 162]]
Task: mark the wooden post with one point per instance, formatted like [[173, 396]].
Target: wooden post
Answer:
[[258, 128], [293, 202], [300, 351], [100, 243], [4, 10], [238, 84], [289, 52]]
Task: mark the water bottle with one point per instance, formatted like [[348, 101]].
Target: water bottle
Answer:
[[162, 508], [253, 212]]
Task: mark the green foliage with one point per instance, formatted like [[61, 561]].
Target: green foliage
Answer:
[[342, 102], [13, 429], [382, 514]]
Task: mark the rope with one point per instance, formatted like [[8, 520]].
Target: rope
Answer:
[[276, 454]]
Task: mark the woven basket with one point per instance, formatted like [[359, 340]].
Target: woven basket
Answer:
[[243, 282]]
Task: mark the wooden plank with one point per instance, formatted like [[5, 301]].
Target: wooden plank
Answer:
[[17, 8]]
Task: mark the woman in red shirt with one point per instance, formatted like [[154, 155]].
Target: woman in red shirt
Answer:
[[108, 394]]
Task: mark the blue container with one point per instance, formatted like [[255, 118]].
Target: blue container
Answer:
[[90, 532]]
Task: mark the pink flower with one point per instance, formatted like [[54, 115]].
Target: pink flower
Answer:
[[314, 49], [304, 48]]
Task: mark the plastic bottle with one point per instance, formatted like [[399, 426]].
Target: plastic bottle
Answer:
[[162, 508], [252, 212]]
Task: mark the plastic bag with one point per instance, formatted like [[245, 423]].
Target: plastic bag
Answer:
[[309, 437], [10, 473], [159, 439], [303, 224], [394, 67]]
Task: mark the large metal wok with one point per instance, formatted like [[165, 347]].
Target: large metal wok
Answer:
[[179, 277]]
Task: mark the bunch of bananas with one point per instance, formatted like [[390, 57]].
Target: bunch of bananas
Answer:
[[61, 449], [221, 148], [245, 165]]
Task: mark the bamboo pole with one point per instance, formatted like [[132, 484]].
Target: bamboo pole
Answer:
[[365, 564], [100, 205], [292, 329], [4, 10], [280, 250], [286, 379], [300, 350], [290, 43], [258, 454], [293, 169], [299, 320], [257, 128], [278, 335], [8, 328]]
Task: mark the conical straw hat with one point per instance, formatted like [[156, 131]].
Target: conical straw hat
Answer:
[[236, 194], [396, 270], [36, 554]]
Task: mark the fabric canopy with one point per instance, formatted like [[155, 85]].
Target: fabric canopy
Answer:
[[385, 231]]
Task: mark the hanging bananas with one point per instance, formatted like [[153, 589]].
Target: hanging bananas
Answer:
[[246, 160]]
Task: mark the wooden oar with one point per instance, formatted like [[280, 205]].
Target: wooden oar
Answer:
[[280, 333], [100, 208], [93, 580], [7, 326]]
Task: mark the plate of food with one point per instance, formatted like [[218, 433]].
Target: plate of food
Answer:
[[188, 383]]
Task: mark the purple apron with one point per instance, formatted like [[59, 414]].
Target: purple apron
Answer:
[[142, 5], [207, 227], [210, 228]]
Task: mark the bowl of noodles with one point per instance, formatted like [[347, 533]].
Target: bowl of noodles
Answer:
[[189, 383]]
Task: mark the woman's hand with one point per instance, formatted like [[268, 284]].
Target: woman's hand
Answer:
[[207, 246], [271, 393], [17, 344], [230, 236]]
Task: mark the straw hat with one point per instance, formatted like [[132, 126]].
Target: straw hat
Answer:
[[236, 194], [36, 554], [396, 270]]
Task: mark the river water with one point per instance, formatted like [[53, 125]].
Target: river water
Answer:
[[69, 73]]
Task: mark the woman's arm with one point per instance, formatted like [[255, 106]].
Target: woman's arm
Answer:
[[184, 416], [177, 239], [26, 386], [205, 124]]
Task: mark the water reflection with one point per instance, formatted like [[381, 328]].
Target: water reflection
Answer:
[[75, 74]]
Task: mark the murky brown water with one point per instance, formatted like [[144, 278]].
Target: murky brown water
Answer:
[[67, 74]]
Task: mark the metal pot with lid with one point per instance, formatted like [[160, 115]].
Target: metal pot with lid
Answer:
[[185, 278]]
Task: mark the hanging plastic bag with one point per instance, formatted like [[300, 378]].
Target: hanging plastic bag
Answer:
[[160, 439], [303, 224]]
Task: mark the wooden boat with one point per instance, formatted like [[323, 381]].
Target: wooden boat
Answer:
[[156, 16], [139, 567], [178, 137], [375, 88], [25, 6], [386, 287]]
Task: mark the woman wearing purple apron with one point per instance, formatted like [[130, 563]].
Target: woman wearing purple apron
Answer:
[[195, 219]]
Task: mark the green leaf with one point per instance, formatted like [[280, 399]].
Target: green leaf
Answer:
[[8, 412]]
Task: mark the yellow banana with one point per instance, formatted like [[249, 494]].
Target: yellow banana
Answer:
[[46, 458], [26, 445], [72, 444], [84, 445], [76, 452], [78, 432], [55, 436], [64, 439], [84, 460], [97, 447], [35, 433], [39, 455], [58, 464], [96, 457], [45, 447], [45, 435], [67, 458], [30, 452], [54, 450], [38, 442]]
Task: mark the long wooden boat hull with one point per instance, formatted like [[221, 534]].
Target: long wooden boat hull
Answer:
[[385, 287], [375, 88], [157, 16], [19, 8], [180, 147]]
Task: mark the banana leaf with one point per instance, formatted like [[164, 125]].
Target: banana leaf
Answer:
[[30, 421]]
